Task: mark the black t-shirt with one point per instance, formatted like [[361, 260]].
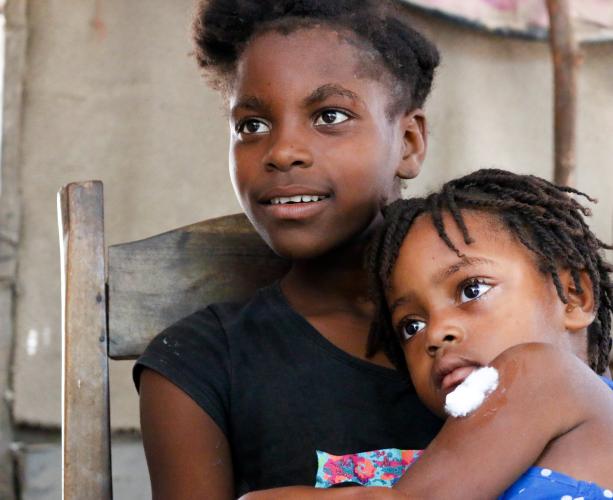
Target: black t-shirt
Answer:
[[280, 391]]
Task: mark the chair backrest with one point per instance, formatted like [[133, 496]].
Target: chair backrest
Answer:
[[154, 282], [113, 307]]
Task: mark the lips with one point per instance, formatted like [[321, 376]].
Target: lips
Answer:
[[451, 371], [301, 198], [294, 203], [292, 192]]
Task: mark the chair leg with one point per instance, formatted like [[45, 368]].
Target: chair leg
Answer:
[[86, 450]]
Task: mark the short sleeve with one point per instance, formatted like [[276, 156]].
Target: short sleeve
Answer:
[[193, 354]]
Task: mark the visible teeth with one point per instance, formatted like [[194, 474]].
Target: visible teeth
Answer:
[[301, 198]]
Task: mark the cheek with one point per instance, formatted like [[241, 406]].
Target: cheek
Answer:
[[366, 155], [549, 322], [420, 366], [419, 363], [233, 173], [241, 169], [543, 313], [234, 161], [370, 187]]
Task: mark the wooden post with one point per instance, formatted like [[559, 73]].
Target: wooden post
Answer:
[[10, 223], [565, 55], [86, 450]]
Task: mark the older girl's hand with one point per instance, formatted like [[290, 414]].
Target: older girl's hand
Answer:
[[310, 493]]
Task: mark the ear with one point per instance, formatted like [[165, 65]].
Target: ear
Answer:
[[579, 312], [414, 143]]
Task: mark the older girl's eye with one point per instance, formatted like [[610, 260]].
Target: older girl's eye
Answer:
[[252, 126], [331, 117], [411, 327], [473, 290]]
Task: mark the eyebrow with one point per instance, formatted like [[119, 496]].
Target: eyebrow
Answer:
[[461, 264], [249, 102], [400, 301], [442, 276], [323, 92]]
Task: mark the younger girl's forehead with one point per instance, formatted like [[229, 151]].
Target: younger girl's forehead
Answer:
[[487, 234], [485, 223]]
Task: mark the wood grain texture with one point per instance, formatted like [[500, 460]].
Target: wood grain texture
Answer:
[[157, 281], [566, 59], [85, 411]]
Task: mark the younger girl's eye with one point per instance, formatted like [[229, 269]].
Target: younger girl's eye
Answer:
[[411, 327], [473, 290], [252, 126], [331, 117]]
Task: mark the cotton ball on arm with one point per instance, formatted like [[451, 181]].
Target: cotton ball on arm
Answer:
[[471, 393]]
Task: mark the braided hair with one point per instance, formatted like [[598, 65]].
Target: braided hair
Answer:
[[222, 29], [545, 218]]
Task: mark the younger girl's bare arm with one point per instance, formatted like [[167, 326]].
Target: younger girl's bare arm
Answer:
[[543, 394]]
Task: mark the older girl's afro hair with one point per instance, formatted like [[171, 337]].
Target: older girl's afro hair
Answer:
[[222, 28]]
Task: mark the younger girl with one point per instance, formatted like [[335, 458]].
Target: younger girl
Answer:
[[501, 270], [497, 270]]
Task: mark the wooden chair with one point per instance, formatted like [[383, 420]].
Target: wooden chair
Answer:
[[112, 306]]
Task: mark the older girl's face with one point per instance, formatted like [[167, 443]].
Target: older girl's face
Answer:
[[313, 154], [456, 314]]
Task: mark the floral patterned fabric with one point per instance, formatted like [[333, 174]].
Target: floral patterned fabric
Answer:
[[369, 468], [386, 467]]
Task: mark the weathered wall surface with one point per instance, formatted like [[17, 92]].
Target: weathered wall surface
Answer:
[[110, 95], [492, 106], [120, 100]]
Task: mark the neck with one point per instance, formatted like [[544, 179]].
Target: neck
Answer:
[[578, 345], [334, 281]]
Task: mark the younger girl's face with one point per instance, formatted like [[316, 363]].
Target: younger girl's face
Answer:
[[458, 314], [313, 154]]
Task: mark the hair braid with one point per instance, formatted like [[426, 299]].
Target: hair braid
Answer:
[[545, 218], [380, 258]]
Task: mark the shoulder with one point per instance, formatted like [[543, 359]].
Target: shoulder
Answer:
[[215, 321], [535, 358], [188, 337], [552, 376], [266, 306], [203, 340], [193, 354]]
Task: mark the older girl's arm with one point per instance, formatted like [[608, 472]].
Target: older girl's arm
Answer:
[[311, 493], [187, 454]]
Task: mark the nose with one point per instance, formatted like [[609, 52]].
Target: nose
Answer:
[[443, 334], [288, 149]]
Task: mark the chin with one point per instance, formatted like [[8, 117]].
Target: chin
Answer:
[[295, 249], [434, 403], [439, 411]]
